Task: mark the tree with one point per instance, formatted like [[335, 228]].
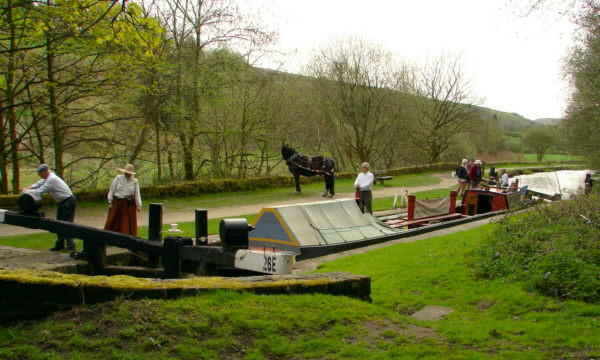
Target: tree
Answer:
[[583, 67], [358, 83], [61, 79], [236, 110], [488, 136], [444, 105], [18, 57], [539, 139], [196, 26], [86, 63]]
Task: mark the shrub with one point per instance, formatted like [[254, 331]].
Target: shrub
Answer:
[[554, 250]]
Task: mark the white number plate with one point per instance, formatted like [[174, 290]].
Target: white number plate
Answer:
[[265, 262]]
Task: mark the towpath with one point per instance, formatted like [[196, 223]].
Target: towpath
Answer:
[[14, 258], [186, 214]]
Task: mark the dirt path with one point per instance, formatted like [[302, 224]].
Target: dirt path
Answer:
[[187, 214]]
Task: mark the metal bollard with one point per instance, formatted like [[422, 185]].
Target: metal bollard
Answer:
[[155, 219], [201, 216]]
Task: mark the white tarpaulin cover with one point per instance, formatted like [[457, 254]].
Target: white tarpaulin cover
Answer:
[[564, 182], [432, 207]]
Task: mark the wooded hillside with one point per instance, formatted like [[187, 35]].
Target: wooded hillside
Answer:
[[89, 85]]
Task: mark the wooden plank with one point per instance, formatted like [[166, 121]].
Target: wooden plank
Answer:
[[87, 233], [409, 223]]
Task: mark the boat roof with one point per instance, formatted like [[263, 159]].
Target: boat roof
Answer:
[[320, 223]]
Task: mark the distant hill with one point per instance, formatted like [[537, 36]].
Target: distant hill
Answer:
[[511, 121], [548, 121]]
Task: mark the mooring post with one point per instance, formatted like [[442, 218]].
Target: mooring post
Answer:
[[95, 255], [201, 227], [411, 207], [171, 257], [155, 219], [453, 195]]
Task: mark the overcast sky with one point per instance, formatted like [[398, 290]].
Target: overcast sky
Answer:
[[515, 62]]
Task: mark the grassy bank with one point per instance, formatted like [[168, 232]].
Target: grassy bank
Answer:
[[490, 319], [45, 240], [42, 241]]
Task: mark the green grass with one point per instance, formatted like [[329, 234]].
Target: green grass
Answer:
[[275, 195], [46, 240], [491, 319], [551, 158], [42, 241], [492, 316], [261, 196]]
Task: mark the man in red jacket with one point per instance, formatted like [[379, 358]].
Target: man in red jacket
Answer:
[[475, 174]]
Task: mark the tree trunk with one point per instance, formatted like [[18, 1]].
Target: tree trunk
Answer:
[[143, 136], [10, 97], [3, 157], [57, 135], [187, 146], [158, 154]]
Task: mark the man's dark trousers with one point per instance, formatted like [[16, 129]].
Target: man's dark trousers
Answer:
[[66, 212]]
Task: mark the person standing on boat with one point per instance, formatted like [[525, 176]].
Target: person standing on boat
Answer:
[[364, 185], [503, 178], [589, 183], [463, 176], [123, 201], [475, 174], [469, 165]]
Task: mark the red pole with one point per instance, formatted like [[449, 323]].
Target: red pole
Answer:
[[452, 202], [411, 207]]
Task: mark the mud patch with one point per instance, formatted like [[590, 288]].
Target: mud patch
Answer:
[[388, 330], [432, 313], [484, 305]]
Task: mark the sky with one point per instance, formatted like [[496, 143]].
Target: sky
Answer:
[[515, 62]]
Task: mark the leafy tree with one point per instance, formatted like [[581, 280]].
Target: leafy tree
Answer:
[[69, 72], [87, 62], [358, 82], [444, 105], [17, 59], [488, 136], [582, 123], [539, 139], [237, 110], [196, 26], [583, 115]]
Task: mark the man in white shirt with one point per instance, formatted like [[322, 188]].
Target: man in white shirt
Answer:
[[62, 194], [364, 185], [503, 178]]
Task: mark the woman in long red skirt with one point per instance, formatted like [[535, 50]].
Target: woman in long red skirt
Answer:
[[123, 202]]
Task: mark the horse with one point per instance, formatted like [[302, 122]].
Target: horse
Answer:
[[309, 166]]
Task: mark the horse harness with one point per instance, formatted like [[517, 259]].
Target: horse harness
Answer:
[[294, 159]]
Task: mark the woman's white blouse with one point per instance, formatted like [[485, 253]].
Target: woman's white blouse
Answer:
[[123, 188]]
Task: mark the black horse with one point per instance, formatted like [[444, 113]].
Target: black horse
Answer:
[[309, 166]]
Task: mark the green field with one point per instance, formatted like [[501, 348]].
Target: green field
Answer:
[[41, 241], [490, 319], [551, 158], [45, 240]]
